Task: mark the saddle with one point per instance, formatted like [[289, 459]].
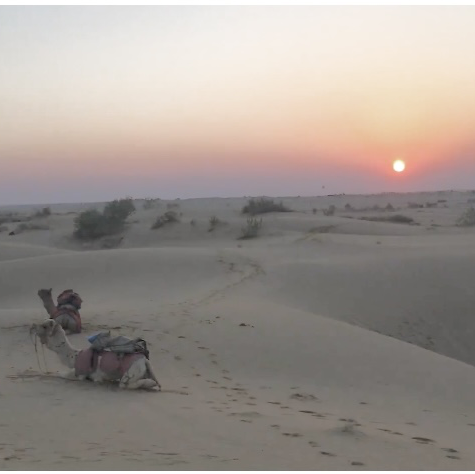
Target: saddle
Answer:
[[111, 354], [70, 303]]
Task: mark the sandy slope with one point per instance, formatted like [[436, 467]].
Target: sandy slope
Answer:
[[273, 353]]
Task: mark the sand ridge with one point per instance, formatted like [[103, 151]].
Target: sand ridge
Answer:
[[328, 342]]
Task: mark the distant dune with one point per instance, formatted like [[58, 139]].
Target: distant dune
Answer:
[[339, 341]]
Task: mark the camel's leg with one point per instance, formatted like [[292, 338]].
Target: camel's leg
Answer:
[[152, 374], [97, 376], [70, 375], [142, 383], [135, 377]]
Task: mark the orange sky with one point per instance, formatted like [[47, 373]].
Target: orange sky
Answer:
[[197, 101]]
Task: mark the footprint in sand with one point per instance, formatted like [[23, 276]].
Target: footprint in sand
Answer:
[[326, 453], [357, 463], [449, 450], [303, 396], [451, 456], [292, 435], [422, 440], [314, 444]]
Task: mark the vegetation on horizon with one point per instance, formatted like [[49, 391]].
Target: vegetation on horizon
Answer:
[[395, 218], [251, 229], [167, 218], [92, 224], [262, 206], [467, 219]]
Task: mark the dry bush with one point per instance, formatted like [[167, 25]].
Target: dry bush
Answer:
[[26, 226], [252, 228], [92, 224], [45, 212], [13, 217], [330, 211], [150, 203], [168, 218], [467, 219], [396, 218], [389, 207], [214, 222], [314, 210], [262, 206]]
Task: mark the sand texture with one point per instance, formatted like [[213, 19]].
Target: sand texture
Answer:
[[326, 342]]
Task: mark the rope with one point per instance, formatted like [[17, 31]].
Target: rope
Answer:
[[35, 343]]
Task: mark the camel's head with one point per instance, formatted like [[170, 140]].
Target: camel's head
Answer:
[[45, 293], [46, 329]]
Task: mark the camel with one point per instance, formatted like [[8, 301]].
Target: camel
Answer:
[[133, 371], [66, 315]]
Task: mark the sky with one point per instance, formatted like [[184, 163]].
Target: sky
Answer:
[[101, 102]]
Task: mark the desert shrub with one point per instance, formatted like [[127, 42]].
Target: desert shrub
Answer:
[[213, 223], [45, 212], [389, 207], [348, 207], [150, 203], [263, 205], [396, 218], [92, 224], [25, 226], [111, 242], [314, 210], [467, 219], [119, 209], [251, 229], [13, 217], [167, 218], [330, 211]]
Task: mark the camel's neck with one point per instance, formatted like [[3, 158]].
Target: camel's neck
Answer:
[[66, 352], [49, 305]]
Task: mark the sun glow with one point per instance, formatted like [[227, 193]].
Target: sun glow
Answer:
[[399, 166]]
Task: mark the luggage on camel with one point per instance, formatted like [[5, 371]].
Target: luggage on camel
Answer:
[[112, 354], [70, 298], [103, 341], [69, 302]]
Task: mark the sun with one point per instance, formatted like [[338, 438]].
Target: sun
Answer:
[[399, 166]]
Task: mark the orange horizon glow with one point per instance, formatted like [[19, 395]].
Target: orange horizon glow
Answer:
[[237, 92]]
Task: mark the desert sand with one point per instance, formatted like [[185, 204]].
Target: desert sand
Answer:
[[327, 342]]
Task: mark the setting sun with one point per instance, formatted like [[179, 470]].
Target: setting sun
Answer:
[[399, 166]]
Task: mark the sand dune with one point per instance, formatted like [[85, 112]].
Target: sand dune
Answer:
[[325, 343]]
